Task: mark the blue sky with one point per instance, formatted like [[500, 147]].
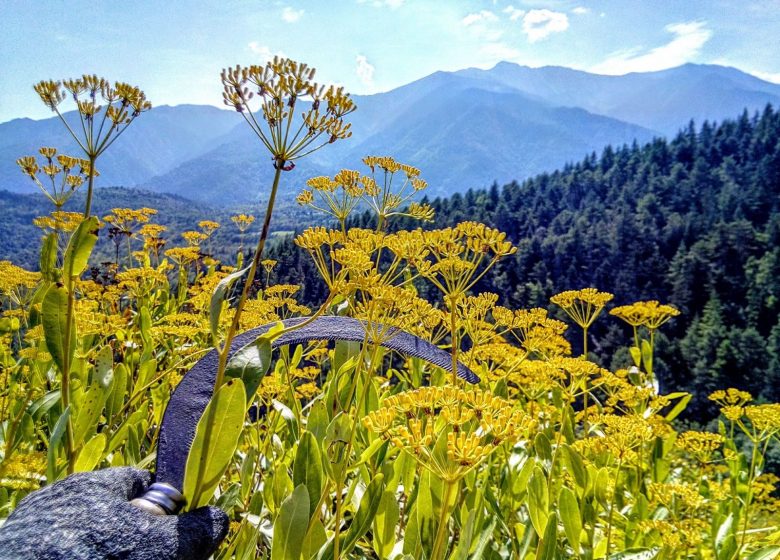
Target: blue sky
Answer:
[[175, 49]]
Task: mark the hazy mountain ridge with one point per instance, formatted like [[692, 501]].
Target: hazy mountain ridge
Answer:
[[464, 129]]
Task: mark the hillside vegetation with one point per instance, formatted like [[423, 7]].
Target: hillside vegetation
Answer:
[[694, 221], [396, 385]]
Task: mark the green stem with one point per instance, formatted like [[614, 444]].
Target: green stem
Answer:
[[612, 506], [585, 426], [749, 497], [90, 184], [234, 325], [224, 352], [65, 385], [439, 548]]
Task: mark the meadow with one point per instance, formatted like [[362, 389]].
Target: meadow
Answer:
[[350, 450]]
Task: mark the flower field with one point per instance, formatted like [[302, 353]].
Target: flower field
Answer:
[[349, 450]]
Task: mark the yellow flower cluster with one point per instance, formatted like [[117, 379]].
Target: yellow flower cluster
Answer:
[[474, 424], [649, 314], [583, 306], [701, 445]]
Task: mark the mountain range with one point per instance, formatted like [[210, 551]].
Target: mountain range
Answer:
[[464, 129]]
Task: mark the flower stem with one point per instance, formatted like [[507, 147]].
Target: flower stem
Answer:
[[234, 325], [439, 548], [90, 184]]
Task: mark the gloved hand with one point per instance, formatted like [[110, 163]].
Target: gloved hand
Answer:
[[89, 516]]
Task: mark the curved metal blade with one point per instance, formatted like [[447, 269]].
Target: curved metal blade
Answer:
[[189, 399]]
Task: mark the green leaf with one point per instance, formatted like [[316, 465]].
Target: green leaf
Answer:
[[538, 500], [91, 453], [216, 439], [369, 505], [250, 364], [104, 368], [307, 469], [385, 522], [54, 443], [315, 538], [601, 487], [48, 260], [55, 320], [726, 540], [647, 356], [88, 411], [79, 249], [44, 404], [636, 355], [576, 466], [766, 553], [219, 297], [570, 515], [291, 526], [116, 398], [680, 406], [547, 545]]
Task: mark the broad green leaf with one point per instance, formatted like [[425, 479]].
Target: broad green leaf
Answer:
[[361, 523], [145, 325], [315, 538], [485, 538], [385, 523], [104, 368], [218, 297], [291, 526], [336, 443], [766, 553], [364, 517], [116, 398], [79, 249], [601, 487], [570, 515], [91, 454], [538, 500], [307, 469], [88, 412], [543, 447], [547, 545], [216, 439], [250, 364], [43, 405], [685, 398], [48, 260], [636, 355], [647, 356], [317, 422], [576, 466], [724, 530], [57, 435], [55, 320]]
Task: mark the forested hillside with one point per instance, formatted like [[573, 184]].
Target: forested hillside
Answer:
[[694, 221]]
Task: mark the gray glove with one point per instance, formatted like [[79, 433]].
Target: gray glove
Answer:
[[89, 516]]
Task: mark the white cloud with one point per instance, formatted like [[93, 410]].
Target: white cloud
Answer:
[[365, 70], [264, 52], [580, 10], [514, 13], [392, 4], [773, 77], [479, 17], [687, 42], [538, 24], [290, 15]]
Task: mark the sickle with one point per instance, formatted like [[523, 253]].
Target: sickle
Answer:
[[194, 391]]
